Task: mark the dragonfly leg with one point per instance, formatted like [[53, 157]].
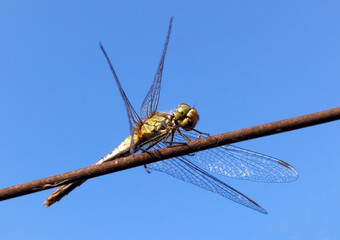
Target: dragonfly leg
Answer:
[[146, 169], [186, 138], [146, 151], [171, 141], [201, 133], [179, 143]]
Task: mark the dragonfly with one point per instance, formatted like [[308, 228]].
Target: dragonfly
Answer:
[[152, 130]]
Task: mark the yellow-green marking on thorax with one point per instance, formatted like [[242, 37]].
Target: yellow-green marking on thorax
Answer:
[[158, 124]]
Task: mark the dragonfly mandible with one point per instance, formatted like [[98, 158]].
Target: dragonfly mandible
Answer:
[[154, 129]]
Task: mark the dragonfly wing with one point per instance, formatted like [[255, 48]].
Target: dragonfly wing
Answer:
[[134, 119], [183, 169], [150, 102], [241, 163]]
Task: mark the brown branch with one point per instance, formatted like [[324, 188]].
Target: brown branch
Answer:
[[170, 152]]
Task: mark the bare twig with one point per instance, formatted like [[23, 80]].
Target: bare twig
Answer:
[[170, 152]]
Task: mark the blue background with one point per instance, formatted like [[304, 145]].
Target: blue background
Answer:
[[241, 63]]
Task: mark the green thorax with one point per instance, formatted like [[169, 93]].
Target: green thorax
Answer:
[[157, 125]]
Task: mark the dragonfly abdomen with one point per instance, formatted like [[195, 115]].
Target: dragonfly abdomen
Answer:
[[123, 149]]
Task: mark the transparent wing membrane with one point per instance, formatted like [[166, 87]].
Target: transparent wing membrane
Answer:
[[134, 119], [227, 160], [150, 102], [183, 169], [240, 163]]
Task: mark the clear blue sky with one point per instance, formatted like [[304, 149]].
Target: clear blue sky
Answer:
[[241, 63]]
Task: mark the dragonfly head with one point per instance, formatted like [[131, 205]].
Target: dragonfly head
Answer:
[[186, 117]]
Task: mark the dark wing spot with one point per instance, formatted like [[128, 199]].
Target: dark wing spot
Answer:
[[256, 204], [285, 164]]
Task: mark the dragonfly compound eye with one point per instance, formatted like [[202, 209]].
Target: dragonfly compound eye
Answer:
[[181, 111], [186, 116]]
